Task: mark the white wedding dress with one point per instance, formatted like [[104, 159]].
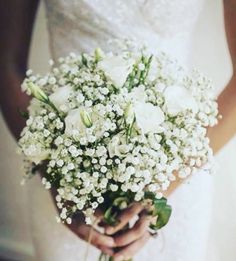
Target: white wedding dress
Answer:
[[81, 25]]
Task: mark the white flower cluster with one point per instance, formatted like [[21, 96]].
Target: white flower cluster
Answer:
[[107, 123]]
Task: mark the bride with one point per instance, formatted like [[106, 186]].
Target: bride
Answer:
[[82, 25]]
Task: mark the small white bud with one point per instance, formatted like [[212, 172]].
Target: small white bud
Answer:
[[37, 92], [86, 119], [129, 114]]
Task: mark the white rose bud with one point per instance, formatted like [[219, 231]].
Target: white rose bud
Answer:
[[37, 92], [178, 99], [98, 54], [61, 96], [86, 119], [129, 114], [76, 120], [148, 117], [116, 68]]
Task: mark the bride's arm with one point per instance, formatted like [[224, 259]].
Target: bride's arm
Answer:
[[226, 129], [16, 23], [221, 133], [218, 135]]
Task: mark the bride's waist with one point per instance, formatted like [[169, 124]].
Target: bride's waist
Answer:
[[178, 46]]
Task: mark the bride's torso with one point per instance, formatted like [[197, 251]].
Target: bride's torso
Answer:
[[82, 25]]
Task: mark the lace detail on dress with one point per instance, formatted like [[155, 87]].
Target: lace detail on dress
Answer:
[[82, 25]]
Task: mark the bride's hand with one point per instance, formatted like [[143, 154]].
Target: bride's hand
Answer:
[[103, 242], [130, 241]]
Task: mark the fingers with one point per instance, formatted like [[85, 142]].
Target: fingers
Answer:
[[124, 218], [106, 250], [130, 250], [94, 237], [91, 235], [99, 214], [136, 232]]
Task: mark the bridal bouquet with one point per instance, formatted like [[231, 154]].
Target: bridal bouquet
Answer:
[[114, 129]]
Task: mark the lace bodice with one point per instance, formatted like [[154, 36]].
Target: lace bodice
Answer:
[[82, 25]]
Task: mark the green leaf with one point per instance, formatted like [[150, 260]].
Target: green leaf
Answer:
[[24, 114], [160, 210], [159, 205], [107, 213], [163, 217], [163, 213], [118, 201], [110, 217]]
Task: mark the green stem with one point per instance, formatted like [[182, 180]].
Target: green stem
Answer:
[[53, 106], [105, 257]]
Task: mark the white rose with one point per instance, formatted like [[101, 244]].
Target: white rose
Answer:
[[178, 99], [74, 121], [116, 148], [116, 68], [138, 94], [148, 116], [61, 96]]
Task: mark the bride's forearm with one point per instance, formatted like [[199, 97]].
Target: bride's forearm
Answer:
[[12, 100], [220, 134], [14, 50]]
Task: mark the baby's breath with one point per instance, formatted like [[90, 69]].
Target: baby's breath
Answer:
[[116, 124]]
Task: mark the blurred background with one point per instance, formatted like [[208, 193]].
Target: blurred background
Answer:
[[210, 55]]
